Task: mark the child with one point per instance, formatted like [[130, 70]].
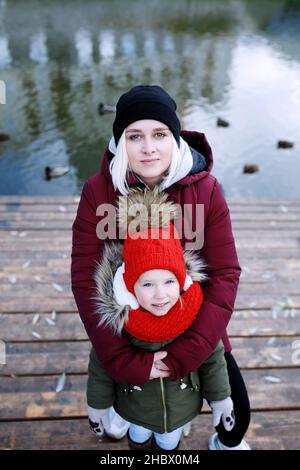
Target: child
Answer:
[[150, 288]]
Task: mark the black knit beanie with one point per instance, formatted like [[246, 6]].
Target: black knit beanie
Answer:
[[146, 102]]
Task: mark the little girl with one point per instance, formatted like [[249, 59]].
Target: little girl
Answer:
[[150, 288]]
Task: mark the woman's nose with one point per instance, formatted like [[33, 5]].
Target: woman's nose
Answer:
[[148, 146]]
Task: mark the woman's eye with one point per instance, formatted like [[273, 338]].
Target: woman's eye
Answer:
[[160, 135], [134, 137]]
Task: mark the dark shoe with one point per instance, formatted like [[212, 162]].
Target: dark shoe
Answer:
[[155, 446], [147, 445]]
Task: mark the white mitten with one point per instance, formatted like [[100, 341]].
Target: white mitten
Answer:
[[223, 409], [98, 419], [107, 420]]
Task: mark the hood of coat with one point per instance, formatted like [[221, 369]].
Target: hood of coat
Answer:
[[201, 153], [112, 314]]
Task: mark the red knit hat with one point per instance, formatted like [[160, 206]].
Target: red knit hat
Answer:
[[153, 248]]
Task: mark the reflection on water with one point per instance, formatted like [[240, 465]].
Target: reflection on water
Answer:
[[236, 60]]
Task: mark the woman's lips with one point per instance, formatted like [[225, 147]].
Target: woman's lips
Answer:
[[150, 161]]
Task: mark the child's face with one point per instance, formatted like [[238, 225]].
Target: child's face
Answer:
[[157, 291]]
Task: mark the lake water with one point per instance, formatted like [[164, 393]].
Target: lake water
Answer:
[[238, 60]]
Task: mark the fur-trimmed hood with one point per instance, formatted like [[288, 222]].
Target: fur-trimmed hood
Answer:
[[109, 311]]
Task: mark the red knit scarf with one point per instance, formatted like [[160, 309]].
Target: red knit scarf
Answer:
[[144, 325]]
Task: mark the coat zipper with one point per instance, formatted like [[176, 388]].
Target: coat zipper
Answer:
[[163, 403]]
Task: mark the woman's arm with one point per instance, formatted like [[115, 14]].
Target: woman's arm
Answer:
[[213, 376], [122, 361], [192, 348]]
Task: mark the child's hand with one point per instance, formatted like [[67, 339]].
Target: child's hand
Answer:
[[98, 419], [159, 369], [223, 409]]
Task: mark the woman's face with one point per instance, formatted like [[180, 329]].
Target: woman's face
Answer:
[[149, 147], [157, 291]]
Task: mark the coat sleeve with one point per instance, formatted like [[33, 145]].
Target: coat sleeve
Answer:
[[213, 376], [197, 343], [123, 362]]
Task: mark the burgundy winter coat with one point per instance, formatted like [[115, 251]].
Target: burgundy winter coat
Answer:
[[123, 362]]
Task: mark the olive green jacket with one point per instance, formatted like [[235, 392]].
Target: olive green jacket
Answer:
[[161, 405]]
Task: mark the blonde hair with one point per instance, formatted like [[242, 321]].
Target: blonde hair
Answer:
[[119, 166]]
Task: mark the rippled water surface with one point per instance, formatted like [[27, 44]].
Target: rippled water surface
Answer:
[[238, 60]]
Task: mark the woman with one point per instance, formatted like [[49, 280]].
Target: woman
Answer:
[[148, 149]]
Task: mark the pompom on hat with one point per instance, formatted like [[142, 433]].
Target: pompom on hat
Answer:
[[146, 102]]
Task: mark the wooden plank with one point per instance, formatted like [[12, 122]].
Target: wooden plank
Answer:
[[18, 199], [249, 265], [62, 434], [29, 274], [37, 207], [61, 264], [257, 238], [19, 327], [39, 288], [62, 212], [261, 202], [34, 255], [21, 257], [61, 259], [268, 431], [244, 302], [14, 235], [252, 270], [35, 224], [26, 277], [68, 326], [263, 323], [38, 304], [44, 358], [36, 216], [66, 303], [35, 397], [37, 233], [41, 199], [64, 223]]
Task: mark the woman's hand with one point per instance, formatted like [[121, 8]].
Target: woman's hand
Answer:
[[159, 369]]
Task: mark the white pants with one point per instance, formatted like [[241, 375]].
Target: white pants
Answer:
[[166, 441]]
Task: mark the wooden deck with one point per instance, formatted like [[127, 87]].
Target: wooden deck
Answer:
[[42, 345]]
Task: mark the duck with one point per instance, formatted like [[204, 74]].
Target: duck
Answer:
[[105, 108], [4, 137], [284, 144], [222, 123], [55, 172], [250, 168]]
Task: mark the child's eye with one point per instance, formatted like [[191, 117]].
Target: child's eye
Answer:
[[147, 284], [170, 281]]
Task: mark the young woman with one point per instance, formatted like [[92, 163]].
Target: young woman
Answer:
[[149, 149]]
